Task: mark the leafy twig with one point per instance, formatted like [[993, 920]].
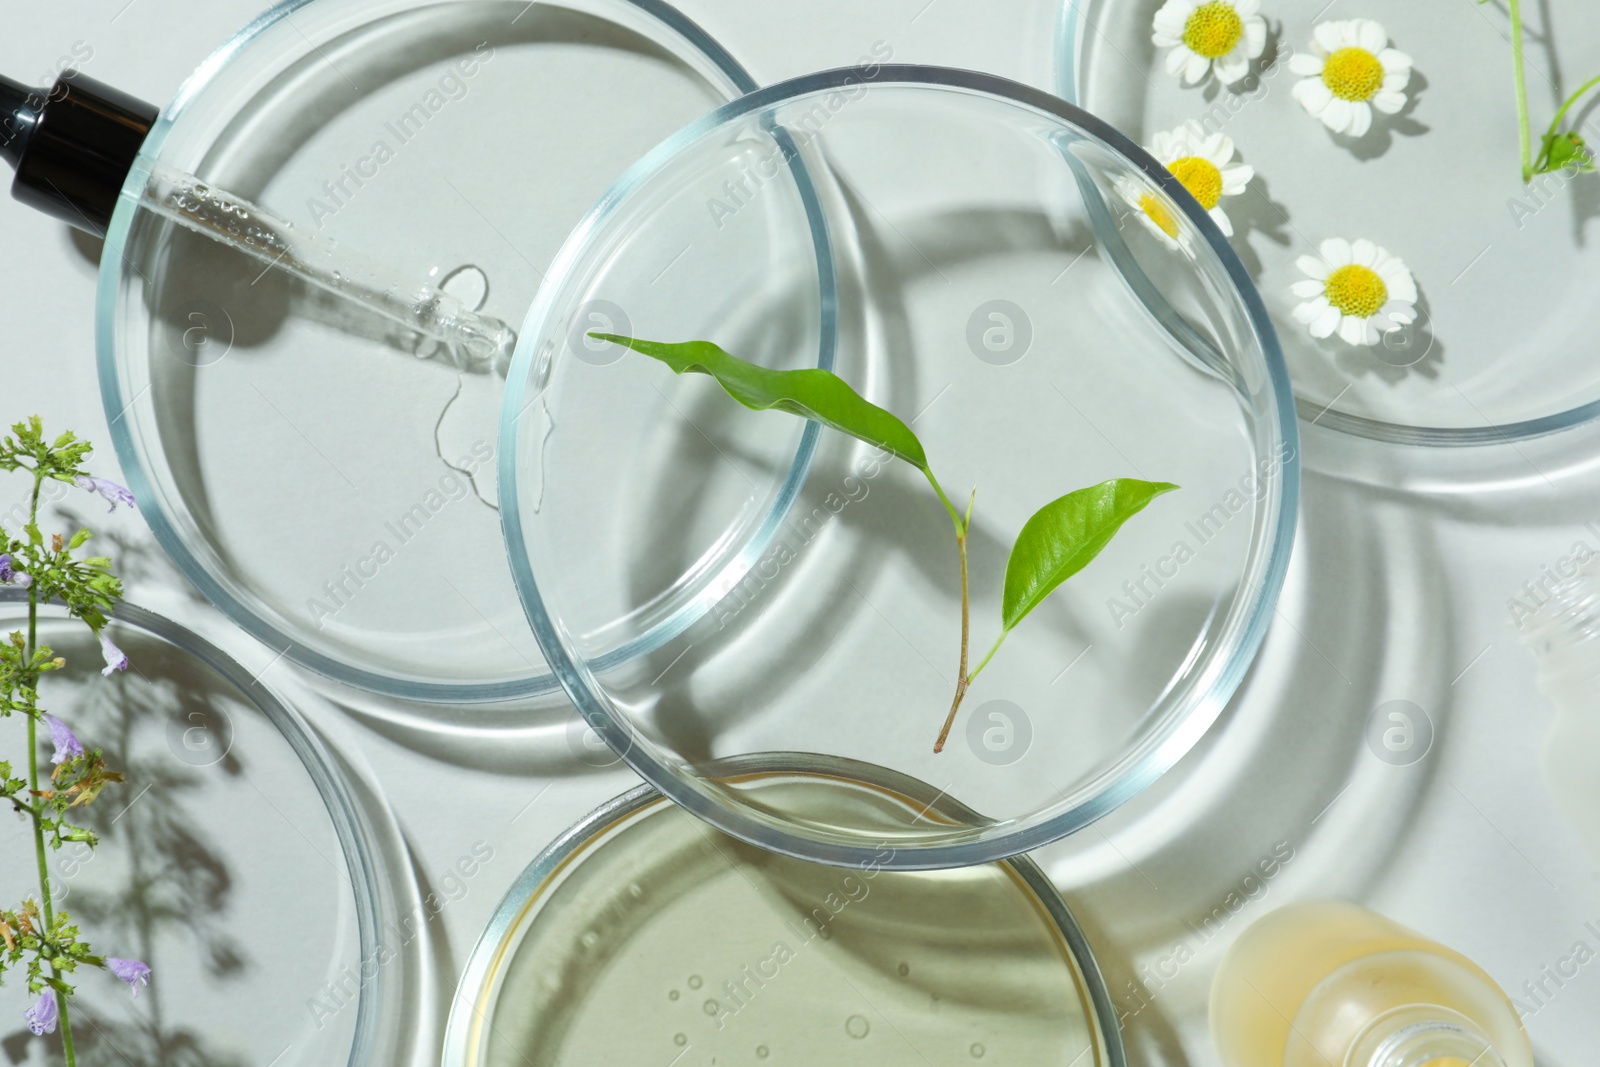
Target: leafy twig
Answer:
[[1060, 540]]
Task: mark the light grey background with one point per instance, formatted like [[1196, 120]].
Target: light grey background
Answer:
[[1393, 595]]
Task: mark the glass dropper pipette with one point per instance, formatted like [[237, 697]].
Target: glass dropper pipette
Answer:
[[74, 145]]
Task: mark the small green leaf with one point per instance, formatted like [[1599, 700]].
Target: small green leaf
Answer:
[[1064, 536], [1566, 151], [811, 394]]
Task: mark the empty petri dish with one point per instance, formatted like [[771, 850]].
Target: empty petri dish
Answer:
[[326, 477], [1499, 351], [988, 299], [239, 860], [720, 953]]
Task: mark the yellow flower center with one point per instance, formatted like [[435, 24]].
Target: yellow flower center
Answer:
[[1201, 177], [1357, 290], [1353, 74], [1213, 30], [1159, 214]]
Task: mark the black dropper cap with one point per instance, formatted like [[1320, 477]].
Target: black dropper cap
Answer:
[[72, 146]]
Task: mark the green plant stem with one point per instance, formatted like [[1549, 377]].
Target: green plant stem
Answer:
[[47, 902], [1524, 130]]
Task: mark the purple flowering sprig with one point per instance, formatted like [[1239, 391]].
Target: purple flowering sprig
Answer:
[[35, 936]]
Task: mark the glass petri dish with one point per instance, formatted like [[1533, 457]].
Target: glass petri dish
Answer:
[[238, 860], [1036, 348], [1499, 352], [722, 953], [327, 480]]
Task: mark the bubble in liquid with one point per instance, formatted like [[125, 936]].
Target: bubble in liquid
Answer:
[[468, 284], [712, 1007], [904, 969], [857, 1026], [635, 891], [977, 1051], [591, 939], [695, 982], [680, 1039], [672, 994], [761, 1051]]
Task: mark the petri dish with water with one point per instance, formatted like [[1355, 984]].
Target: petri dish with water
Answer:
[[325, 474], [1499, 351], [241, 860], [720, 953], [987, 297]]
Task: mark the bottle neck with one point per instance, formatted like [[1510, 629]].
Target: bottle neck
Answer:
[[1423, 1036], [1564, 632]]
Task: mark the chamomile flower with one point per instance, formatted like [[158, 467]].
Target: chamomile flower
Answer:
[[1205, 165], [1355, 289], [1157, 213], [1215, 36], [1350, 70]]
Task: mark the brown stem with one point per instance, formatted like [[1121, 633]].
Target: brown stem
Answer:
[[962, 679]]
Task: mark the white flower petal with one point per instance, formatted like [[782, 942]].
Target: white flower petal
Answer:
[[1353, 331], [1177, 58], [1235, 178], [1314, 268], [1255, 37], [1330, 35], [1313, 95], [1403, 287], [1326, 322], [1360, 119], [1246, 8], [1363, 252], [1336, 252], [1306, 289], [1338, 115], [1306, 64], [1218, 149], [1399, 311], [1220, 217], [1395, 80], [1161, 147], [1233, 66], [1394, 60], [1371, 35], [1390, 103], [1195, 67]]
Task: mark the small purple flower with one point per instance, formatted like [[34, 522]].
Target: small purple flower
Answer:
[[131, 971], [116, 659], [113, 493], [9, 573], [67, 744], [43, 1015]]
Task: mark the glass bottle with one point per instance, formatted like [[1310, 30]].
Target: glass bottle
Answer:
[[1333, 984], [1564, 633]]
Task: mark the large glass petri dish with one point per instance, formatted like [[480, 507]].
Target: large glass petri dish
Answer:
[[239, 860], [324, 478], [1501, 349], [720, 953], [987, 298]]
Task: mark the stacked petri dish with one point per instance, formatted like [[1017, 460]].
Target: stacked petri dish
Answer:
[[760, 615]]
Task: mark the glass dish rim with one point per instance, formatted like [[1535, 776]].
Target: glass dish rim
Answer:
[[568, 846], [360, 864], [1068, 41], [114, 262], [1134, 770]]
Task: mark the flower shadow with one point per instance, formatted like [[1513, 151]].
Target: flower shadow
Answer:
[[1385, 128], [1254, 213]]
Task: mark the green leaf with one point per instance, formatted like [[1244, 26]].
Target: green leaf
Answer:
[[1564, 151], [811, 394], [1064, 536]]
